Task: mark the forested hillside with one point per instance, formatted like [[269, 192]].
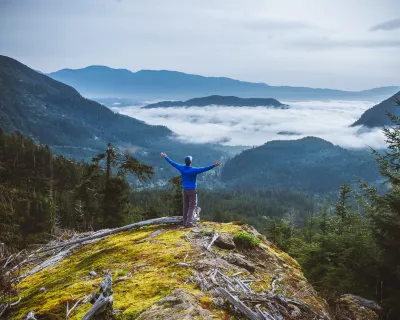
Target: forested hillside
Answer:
[[220, 101], [55, 114], [377, 115], [43, 194], [308, 164]]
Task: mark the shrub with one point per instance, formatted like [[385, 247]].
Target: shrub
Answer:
[[246, 240]]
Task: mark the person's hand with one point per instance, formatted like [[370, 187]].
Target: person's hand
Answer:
[[217, 164], [163, 154]]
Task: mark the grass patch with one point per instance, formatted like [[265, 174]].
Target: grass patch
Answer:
[[246, 240]]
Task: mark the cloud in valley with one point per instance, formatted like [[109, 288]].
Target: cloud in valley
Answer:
[[255, 126]]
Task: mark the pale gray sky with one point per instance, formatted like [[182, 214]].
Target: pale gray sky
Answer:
[[346, 44]]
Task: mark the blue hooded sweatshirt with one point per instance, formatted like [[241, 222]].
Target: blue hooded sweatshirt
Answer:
[[189, 173]]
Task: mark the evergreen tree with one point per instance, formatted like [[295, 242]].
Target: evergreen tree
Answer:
[[115, 195], [115, 203], [342, 207], [174, 197], [385, 214]]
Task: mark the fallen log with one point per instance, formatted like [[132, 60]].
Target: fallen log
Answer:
[[137, 225], [215, 237], [64, 249], [49, 262]]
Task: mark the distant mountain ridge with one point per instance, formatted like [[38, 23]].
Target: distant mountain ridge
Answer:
[[220, 101], [104, 82], [376, 116], [308, 164], [55, 114]]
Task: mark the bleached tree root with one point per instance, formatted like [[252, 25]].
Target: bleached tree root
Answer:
[[104, 302]]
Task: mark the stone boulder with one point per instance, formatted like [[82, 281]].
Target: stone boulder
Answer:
[[239, 261], [356, 308], [225, 241]]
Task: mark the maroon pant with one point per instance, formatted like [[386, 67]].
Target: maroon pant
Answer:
[[189, 206]]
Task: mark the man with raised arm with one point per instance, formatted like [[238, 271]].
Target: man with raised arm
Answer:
[[189, 183]]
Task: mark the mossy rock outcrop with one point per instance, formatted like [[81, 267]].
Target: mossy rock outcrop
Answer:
[[356, 308], [165, 270]]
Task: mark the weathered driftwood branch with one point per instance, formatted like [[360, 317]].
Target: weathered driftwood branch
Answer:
[[239, 293], [12, 304], [137, 225], [69, 311], [246, 311], [215, 237], [58, 257], [105, 299], [30, 315], [100, 303], [182, 264]]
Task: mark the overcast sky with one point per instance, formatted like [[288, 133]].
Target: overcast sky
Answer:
[[346, 44]]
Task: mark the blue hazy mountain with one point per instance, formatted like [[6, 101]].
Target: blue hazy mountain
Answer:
[[377, 115], [55, 114], [220, 101], [103, 82]]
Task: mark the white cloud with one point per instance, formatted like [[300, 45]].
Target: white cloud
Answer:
[[255, 126]]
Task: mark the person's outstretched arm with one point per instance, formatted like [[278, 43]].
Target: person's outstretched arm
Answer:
[[174, 164], [204, 169]]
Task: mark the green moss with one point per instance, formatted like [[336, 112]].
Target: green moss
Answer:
[[69, 280], [246, 240], [122, 273]]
